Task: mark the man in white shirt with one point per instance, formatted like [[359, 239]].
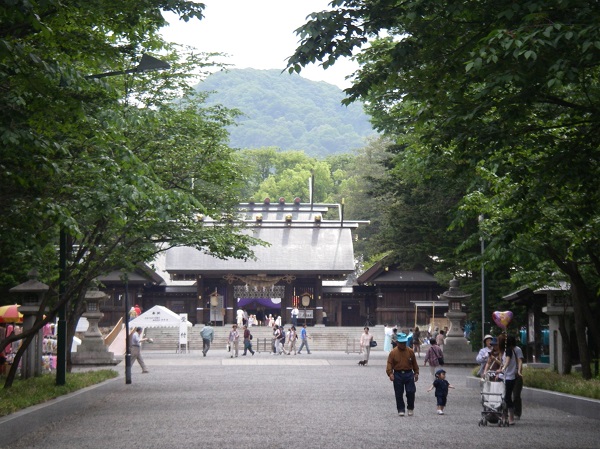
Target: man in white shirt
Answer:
[[136, 348]]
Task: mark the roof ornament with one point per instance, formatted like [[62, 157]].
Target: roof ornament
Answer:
[[259, 280]]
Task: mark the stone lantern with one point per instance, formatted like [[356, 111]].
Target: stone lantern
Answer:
[[92, 350], [31, 295], [457, 349]]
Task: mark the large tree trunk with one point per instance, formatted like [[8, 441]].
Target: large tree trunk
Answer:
[[566, 346], [581, 308], [10, 378]]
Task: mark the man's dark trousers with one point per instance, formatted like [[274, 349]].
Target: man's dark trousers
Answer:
[[404, 381], [205, 346]]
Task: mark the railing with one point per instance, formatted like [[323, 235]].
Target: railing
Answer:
[[265, 343], [351, 345]]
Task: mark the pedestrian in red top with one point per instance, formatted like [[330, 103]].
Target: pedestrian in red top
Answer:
[[247, 340]]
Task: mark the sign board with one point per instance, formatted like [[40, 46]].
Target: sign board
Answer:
[[309, 314], [531, 328], [183, 330]]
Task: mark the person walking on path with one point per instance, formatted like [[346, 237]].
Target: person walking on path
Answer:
[[433, 356], [234, 340], [509, 372], [417, 342], [132, 313], [208, 334], [394, 337], [387, 338], [402, 369], [441, 386], [484, 353], [280, 342], [292, 337], [365, 343], [494, 360], [518, 383], [274, 340], [247, 341], [136, 348], [439, 339], [304, 340]]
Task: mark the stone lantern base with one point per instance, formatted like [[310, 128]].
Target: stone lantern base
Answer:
[[457, 351], [92, 352]]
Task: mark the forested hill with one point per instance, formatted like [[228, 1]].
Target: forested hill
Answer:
[[288, 111]]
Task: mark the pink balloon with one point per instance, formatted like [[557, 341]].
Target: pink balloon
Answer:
[[502, 319]]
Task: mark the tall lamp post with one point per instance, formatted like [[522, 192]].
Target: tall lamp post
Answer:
[[305, 303], [127, 341], [147, 64], [480, 219]]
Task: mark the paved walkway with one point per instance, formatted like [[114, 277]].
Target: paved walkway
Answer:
[[322, 400]]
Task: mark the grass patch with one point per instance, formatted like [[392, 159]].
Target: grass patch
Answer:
[[36, 390], [546, 379]]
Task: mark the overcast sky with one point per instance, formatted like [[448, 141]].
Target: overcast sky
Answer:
[[255, 33]]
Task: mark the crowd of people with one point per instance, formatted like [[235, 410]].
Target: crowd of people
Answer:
[[500, 358]]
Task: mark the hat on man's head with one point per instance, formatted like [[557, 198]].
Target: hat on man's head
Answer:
[[486, 337], [402, 337], [438, 372]]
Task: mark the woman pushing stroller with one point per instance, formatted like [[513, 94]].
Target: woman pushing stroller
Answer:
[[509, 370]]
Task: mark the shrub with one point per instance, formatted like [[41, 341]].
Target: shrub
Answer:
[[36, 390]]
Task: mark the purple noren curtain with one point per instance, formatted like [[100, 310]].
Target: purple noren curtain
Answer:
[[266, 302]]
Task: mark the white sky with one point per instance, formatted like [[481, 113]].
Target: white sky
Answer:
[[255, 34]]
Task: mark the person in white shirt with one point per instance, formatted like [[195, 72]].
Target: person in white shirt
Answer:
[[292, 337], [484, 353], [365, 344], [234, 340], [136, 348]]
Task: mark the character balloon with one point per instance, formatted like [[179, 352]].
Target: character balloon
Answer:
[[502, 319]]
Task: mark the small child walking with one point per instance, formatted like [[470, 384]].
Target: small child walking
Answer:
[[441, 386]]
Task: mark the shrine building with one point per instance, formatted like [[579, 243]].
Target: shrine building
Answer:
[[308, 262]]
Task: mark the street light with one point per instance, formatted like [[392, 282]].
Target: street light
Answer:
[[125, 277], [480, 219], [147, 64], [305, 303]]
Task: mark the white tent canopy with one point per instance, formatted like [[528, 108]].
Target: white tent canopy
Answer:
[[157, 316]]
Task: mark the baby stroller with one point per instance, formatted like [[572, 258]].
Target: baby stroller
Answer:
[[492, 400]]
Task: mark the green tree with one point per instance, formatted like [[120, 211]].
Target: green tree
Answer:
[[508, 92], [115, 163], [274, 174]]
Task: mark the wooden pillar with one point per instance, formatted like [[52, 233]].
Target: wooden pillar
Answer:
[[202, 316], [286, 316], [318, 298], [230, 305]]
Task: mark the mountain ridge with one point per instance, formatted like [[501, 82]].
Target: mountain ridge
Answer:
[[287, 111]]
